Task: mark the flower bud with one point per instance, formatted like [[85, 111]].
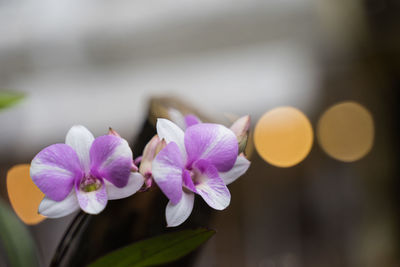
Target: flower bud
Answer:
[[111, 131], [149, 153], [241, 129], [160, 146], [153, 147]]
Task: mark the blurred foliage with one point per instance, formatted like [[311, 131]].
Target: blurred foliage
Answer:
[[16, 240], [9, 99], [157, 250]]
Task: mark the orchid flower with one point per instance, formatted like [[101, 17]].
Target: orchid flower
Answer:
[[84, 173], [240, 128], [202, 160]]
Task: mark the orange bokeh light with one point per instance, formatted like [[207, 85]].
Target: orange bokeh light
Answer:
[[346, 131], [283, 136], [24, 195]]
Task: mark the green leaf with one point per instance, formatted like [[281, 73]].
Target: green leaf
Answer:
[[157, 250], [9, 99], [16, 240]]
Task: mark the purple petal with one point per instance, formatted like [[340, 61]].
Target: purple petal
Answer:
[[57, 209], [176, 214], [213, 142], [191, 120], [171, 133], [80, 139], [167, 172], [135, 182], [54, 170], [240, 167], [210, 186], [92, 202], [111, 158]]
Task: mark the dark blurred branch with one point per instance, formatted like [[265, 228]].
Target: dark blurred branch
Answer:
[[76, 225]]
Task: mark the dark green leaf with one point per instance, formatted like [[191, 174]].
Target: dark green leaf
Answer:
[[16, 240], [157, 250], [9, 99]]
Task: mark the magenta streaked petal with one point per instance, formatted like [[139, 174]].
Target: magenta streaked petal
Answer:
[[80, 139], [92, 202], [240, 167], [176, 214], [210, 186], [191, 120], [213, 142], [135, 182], [187, 181], [111, 159], [169, 131], [167, 172], [57, 209], [54, 170]]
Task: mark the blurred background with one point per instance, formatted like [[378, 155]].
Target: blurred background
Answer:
[[320, 80]]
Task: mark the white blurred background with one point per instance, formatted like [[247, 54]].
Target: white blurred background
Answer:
[[98, 62]]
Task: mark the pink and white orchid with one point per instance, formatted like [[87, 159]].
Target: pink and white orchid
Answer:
[[84, 173], [202, 160]]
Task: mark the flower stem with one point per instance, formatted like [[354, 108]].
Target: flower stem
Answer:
[[73, 229]]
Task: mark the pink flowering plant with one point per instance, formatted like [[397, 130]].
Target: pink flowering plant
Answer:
[[185, 158]]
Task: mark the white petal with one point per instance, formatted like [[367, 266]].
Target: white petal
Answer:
[[177, 117], [169, 131], [80, 139], [57, 209], [240, 167], [177, 214], [135, 182]]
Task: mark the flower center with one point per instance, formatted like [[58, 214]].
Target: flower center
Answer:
[[89, 184], [197, 177]]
